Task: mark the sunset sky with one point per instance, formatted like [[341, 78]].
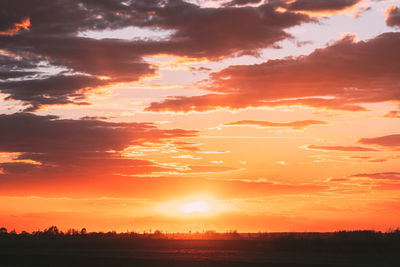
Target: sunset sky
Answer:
[[279, 115]]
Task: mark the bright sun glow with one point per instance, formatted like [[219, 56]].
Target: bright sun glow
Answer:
[[201, 205], [197, 206]]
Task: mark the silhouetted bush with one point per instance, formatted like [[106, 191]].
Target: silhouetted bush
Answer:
[[342, 241]]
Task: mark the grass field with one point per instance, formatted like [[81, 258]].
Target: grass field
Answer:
[[363, 248]]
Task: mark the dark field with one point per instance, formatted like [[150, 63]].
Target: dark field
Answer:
[[362, 248]]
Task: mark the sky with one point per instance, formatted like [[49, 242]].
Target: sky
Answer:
[[247, 115]]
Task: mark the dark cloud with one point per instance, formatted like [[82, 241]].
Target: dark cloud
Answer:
[[294, 124], [95, 118], [386, 141], [216, 33], [15, 74], [16, 168], [52, 145], [393, 16], [10, 25], [26, 132], [60, 89], [321, 5], [118, 59], [60, 17], [96, 59], [242, 2], [10, 63], [53, 36], [342, 76]]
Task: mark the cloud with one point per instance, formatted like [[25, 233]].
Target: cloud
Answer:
[[374, 160], [341, 76], [190, 148], [215, 33], [241, 101], [17, 27], [209, 169], [60, 89], [338, 179], [64, 146], [341, 148], [17, 167], [385, 141], [395, 114], [242, 2], [88, 62], [11, 67], [54, 36], [388, 186], [156, 188], [186, 157], [321, 5], [294, 124], [380, 175], [393, 16]]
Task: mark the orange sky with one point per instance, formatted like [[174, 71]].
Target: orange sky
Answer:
[[200, 115]]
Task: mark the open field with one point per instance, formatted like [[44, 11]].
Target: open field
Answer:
[[349, 249]]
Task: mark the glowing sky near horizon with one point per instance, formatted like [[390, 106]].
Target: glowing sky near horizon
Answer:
[[200, 115]]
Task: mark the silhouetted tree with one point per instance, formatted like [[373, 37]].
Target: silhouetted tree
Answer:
[[52, 231]]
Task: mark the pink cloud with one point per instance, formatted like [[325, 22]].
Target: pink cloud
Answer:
[[386, 141], [393, 16], [342, 148], [341, 76]]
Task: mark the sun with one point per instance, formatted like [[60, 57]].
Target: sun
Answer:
[[195, 207]]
